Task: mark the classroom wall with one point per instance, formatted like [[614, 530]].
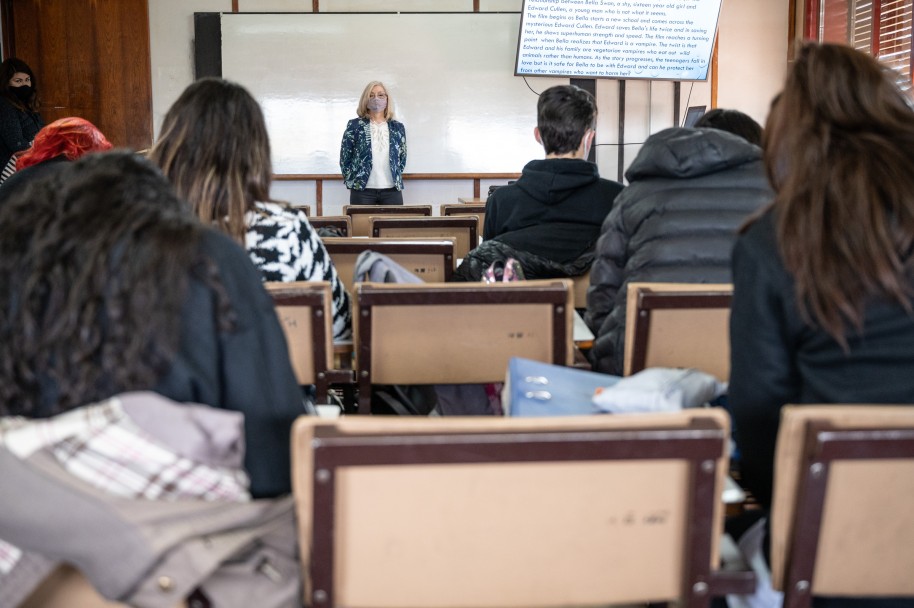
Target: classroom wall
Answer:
[[751, 65]]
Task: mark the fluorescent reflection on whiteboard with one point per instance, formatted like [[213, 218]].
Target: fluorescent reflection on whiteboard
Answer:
[[298, 129], [463, 136]]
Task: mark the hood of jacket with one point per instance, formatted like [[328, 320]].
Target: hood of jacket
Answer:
[[682, 152], [552, 180]]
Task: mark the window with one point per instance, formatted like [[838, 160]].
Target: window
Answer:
[[881, 28]]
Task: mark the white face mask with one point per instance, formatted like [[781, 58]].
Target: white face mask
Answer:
[[377, 104]]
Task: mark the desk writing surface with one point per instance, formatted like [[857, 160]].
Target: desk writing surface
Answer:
[[733, 493], [342, 346], [582, 335], [463, 108]]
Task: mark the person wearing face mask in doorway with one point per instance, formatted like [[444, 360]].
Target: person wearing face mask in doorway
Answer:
[[373, 152], [19, 118]]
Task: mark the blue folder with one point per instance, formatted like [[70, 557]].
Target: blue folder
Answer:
[[533, 388]]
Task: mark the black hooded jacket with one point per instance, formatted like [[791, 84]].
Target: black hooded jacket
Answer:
[[554, 210], [689, 192]]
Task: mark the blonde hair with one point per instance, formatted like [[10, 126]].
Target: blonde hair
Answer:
[[362, 110]]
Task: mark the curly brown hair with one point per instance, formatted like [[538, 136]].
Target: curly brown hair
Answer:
[[94, 266]]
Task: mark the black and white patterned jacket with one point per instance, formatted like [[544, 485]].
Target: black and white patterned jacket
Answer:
[[284, 246]]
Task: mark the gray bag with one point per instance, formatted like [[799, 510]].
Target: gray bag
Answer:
[[144, 552]]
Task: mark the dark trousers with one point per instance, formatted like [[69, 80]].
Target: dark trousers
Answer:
[[376, 196]]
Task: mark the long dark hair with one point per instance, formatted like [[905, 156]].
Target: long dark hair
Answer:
[[8, 68], [214, 148], [839, 150], [94, 267]]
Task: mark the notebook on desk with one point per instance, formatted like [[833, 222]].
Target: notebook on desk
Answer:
[[533, 388]]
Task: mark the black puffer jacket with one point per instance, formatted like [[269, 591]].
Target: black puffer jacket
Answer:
[[534, 266], [690, 191]]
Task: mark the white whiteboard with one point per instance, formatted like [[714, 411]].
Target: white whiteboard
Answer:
[[450, 77]]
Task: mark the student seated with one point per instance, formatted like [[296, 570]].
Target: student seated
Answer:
[[689, 191], [823, 280], [214, 148], [63, 140], [550, 218], [109, 284]]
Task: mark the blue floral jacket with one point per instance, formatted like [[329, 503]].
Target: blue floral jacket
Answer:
[[355, 153]]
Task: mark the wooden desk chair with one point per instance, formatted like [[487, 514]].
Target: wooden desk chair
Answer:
[[477, 209], [498, 512], [579, 286], [305, 312], [457, 333], [66, 587], [361, 214], [343, 223], [678, 325], [432, 259], [841, 522], [463, 229]]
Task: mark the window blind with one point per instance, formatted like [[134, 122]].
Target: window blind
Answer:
[[881, 28]]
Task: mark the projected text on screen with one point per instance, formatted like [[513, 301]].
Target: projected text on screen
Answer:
[[651, 39]]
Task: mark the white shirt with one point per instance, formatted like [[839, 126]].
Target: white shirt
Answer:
[[380, 157]]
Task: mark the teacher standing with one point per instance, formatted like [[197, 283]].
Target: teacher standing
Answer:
[[373, 152]]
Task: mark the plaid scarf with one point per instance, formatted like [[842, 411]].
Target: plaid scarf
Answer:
[[101, 445]]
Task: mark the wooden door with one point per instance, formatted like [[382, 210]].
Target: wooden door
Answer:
[[91, 59]]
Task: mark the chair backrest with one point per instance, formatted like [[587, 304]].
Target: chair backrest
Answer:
[[430, 259], [361, 214], [463, 229], [343, 223], [579, 287], [841, 522], [304, 310], [66, 587], [500, 512], [678, 325], [457, 333], [306, 209], [477, 209]]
